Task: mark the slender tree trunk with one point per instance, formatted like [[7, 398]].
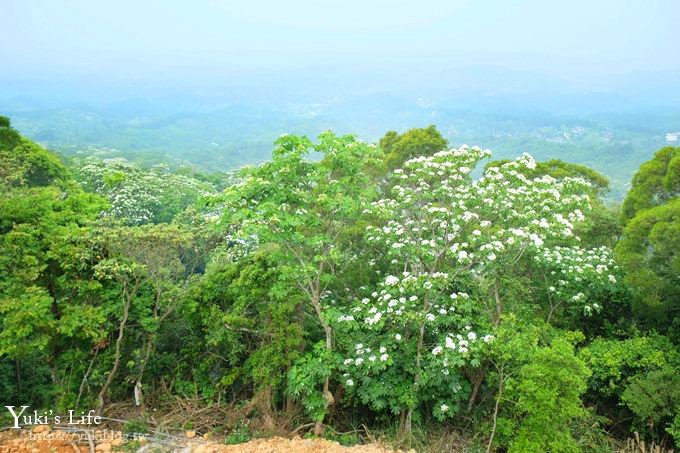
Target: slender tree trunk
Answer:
[[477, 379], [150, 343], [139, 395], [408, 429], [402, 426], [85, 376], [495, 410], [127, 300], [329, 347], [327, 395], [149, 346]]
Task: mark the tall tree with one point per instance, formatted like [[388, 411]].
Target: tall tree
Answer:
[[308, 209], [415, 142]]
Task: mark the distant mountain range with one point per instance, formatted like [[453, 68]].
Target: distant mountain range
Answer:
[[605, 132]]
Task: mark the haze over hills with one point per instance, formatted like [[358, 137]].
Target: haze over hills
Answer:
[[213, 85], [221, 134]]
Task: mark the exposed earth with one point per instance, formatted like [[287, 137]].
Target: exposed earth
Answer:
[[42, 439]]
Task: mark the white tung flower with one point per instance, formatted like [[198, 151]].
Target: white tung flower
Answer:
[[391, 280], [444, 408], [374, 320]]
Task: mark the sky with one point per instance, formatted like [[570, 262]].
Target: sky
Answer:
[[202, 45]]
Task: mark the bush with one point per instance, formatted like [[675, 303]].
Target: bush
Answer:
[[654, 398], [547, 397]]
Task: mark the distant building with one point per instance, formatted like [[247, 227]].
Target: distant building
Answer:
[[672, 137]]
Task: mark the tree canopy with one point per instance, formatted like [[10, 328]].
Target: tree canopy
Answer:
[[415, 142], [656, 182]]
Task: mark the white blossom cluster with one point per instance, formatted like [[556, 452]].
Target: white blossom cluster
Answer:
[[573, 270], [365, 356], [437, 212], [139, 195]]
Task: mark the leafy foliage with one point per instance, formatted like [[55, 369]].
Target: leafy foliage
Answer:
[[650, 252], [656, 182], [547, 394], [655, 399], [346, 283], [415, 142]]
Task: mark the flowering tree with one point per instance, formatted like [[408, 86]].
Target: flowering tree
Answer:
[[449, 242], [141, 196]]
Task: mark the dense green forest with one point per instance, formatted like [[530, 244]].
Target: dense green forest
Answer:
[[424, 294]]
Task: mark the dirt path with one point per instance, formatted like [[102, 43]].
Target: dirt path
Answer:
[[44, 440]]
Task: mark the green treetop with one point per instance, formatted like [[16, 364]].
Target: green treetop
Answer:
[[415, 142]]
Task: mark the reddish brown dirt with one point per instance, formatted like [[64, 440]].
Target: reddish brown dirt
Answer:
[[45, 441], [280, 444]]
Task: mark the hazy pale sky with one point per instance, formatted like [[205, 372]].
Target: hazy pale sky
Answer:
[[586, 42]]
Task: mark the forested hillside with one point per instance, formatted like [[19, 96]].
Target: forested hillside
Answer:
[[609, 134], [430, 295]]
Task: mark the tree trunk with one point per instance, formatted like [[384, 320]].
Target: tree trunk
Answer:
[[495, 410], [408, 430], [402, 426], [327, 395], [139, 394], [119, 342], [85, 377], [477, 384]]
